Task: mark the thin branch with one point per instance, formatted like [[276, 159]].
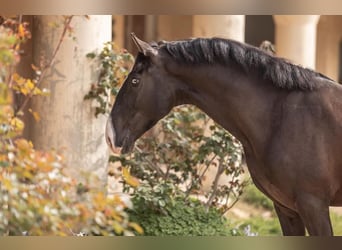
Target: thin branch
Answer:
[[151, 164], [190, 186], [207, 167], [215, 184], [231, 205]]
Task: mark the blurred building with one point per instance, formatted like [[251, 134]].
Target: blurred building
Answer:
[[310, 40]]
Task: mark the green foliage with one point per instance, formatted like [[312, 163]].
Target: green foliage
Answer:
[[37, 197], [336, 221], [162, 213], [253, 196], [114, 66]]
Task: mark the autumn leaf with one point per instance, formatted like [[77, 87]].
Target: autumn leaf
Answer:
[[7, 184], [24, 145], [136, 227], [21, 31], [129, 179], [5, 96], [117, 227], [36, 116], [17, 124]]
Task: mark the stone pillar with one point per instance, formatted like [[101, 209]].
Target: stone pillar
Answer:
[[150, 28], [226, 26], [295, 38], [328, 45], [119, 30], [67, 121]]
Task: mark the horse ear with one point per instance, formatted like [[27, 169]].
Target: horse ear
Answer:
[[144, 47]]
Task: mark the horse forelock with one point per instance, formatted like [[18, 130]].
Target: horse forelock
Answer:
[[280, 72]]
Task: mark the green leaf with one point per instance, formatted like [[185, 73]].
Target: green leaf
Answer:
[[91, 55]]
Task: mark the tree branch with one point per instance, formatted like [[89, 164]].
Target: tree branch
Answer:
[[220, 170], [66, 26]]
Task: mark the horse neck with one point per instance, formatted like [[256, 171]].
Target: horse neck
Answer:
[[238, 102]]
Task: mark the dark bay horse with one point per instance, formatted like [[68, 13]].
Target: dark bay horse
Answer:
[[288, 118]]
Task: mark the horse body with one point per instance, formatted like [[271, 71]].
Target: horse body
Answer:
[[292, 135], [287, 139]]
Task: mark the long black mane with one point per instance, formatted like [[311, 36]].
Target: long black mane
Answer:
[[280, 72]]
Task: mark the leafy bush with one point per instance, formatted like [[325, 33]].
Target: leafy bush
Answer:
[[114, 64], [160, 213], [37, 197]]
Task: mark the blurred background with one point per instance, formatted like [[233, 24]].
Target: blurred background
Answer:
[[310, 40]]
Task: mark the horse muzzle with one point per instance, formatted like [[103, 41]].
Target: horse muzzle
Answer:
[[111, 137]]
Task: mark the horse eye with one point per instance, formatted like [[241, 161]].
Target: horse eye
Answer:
[[135, 81]]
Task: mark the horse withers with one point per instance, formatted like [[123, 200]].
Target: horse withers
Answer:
[[288, 118]]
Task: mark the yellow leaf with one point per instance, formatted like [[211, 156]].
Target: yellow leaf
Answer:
[[15, 77], [136, 227], [5, 94], [24, 145], [24, 91], [7, 184], [117, 228], [37, 91], [17, 124], [130, 180], [21, 30], [36, 115], [29, 84]]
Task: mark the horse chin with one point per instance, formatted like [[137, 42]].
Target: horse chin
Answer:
[[127, 148]]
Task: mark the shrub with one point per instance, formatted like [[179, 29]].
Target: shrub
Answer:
[[160, 213], [37, 197]]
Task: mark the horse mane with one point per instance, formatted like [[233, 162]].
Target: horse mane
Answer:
[[279, 71]]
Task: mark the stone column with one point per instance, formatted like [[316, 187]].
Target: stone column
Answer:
[[67, 121], [295, 38], [328, 45], [119, 30], [226, 26]]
